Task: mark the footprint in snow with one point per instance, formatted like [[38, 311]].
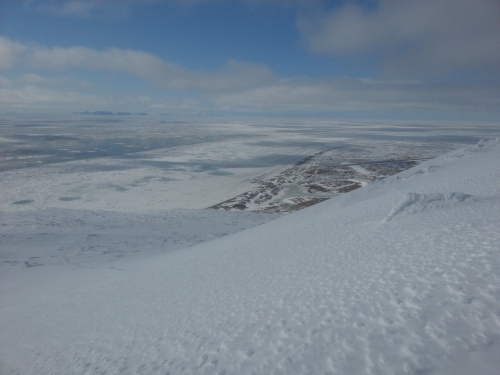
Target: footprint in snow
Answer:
[[203, 360]]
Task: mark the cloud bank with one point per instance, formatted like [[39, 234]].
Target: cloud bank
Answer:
[[361, 95], [145, 66], [412, 37], [236, 87]]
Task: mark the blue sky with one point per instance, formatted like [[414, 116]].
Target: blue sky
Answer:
[[406, 59]]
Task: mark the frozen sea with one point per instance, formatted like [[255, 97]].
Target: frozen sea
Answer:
[[140, 163]]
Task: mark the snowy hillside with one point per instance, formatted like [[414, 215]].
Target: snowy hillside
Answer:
[[401, 276]]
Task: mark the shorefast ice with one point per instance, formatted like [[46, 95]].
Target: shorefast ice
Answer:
[[399, 277]]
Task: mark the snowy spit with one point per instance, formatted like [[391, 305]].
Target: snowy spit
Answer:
[[401, 276]]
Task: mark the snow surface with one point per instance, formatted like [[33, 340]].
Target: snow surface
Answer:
[[399, 277], [86, 238]]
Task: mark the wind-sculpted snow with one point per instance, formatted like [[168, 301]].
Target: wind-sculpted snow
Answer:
[[331, 289], [413, 203], [482, 145]]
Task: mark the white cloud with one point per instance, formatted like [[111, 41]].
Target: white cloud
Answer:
[[10, 52], [122, 8], [36, 79], [355, 95], [415, 37], [84, 8], [26, 98], [234, 75], [4, 81], [238, 86], [287, 96], [31, 97]]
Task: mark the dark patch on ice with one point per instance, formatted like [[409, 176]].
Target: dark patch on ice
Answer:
[[44, 137], [348, 188], [68, 199], [167, 179], [24, 201], [28, 264], [220, 173]]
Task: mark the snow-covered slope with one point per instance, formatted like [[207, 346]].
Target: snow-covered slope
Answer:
[[398, 277]]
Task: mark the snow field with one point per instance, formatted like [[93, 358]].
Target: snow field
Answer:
[[398, 277], [86, 238]]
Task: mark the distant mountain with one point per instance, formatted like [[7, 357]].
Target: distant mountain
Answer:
[[192, 114], [109, 113]]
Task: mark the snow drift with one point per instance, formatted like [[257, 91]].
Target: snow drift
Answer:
[[399, 277]]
